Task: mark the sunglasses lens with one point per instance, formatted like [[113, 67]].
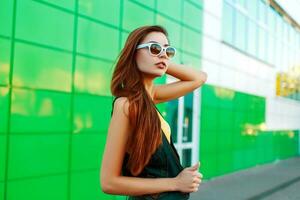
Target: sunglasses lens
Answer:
[[155, 49], [170, 51]]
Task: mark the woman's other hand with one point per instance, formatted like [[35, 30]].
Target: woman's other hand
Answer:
[[189, 179]]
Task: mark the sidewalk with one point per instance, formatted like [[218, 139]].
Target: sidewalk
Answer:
[[276, 181]]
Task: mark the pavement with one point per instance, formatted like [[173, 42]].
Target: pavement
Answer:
[[279, 180]]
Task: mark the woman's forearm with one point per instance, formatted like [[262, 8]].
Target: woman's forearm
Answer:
[[135, 186], [186, 73]]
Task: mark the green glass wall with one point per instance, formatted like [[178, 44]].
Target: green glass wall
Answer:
[[233, 133], [56, 61]]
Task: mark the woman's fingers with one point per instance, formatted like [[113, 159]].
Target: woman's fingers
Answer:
[[198, 174], [194, 167], [197, 180], [195, 187]]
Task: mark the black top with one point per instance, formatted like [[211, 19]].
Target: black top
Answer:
[[164, 163]]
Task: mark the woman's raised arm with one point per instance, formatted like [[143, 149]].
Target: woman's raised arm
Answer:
[[189, 80]]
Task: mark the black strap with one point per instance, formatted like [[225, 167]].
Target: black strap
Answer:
[[112, 108]]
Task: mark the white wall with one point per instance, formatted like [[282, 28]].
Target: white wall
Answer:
[[230, 68]]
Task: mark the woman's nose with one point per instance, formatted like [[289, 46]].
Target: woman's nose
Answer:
[[163, 54]]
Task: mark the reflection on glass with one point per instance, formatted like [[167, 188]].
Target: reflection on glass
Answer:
[[188, 118], [185, 129], [172, 117], [288, 83], [228, 23], [258, 29], [186, 157]]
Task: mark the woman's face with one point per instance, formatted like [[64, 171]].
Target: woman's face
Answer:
[[151, 65]]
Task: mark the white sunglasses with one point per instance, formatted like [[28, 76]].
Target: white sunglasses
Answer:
[[156, 49]]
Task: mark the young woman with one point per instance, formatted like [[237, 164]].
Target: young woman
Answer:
[[140, 159]]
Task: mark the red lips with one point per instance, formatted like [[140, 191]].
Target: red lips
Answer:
[[161, 65]]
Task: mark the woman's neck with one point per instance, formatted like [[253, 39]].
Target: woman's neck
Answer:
[[148, 83]]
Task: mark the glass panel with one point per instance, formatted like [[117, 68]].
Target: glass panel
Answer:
[[186, 157], [6, 11], [187, 133], [87, 150], [132, 11], [172, 5], [173, 29], [172, 118], [160, 80], [102, 40], [280, 27], [285, 32], [227, 25], [284, 52], [253, 8], [124, 38], [192, 41], [91, 113], [51, 26], [3, 142], [262, 43], [241, 3], [209, 164], [278, 55], [4, 100], [263, 12], [34, 111], [190, 60], [271, 49], [93, 76], [252, 38], [38, 155], [225, 162], [85, 185], [42, 68], [4, 61], [240, 31], [101, 10], [23, 189], [2, 188], [192, 16], [272, 21]]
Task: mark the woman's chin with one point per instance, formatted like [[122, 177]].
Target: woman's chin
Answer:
[[155, 75], [158, 75]]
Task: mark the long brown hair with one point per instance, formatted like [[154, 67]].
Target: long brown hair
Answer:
[[127, 81]]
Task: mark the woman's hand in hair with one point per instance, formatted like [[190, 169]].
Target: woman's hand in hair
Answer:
[[189, 179]]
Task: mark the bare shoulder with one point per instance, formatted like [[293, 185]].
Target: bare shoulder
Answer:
[[121, 106]]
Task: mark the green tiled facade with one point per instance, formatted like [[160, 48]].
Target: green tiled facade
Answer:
[[233, 136], [56, 62]]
